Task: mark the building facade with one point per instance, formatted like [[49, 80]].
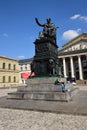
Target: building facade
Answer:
[[9, 71], [73, 56], [24, 70]]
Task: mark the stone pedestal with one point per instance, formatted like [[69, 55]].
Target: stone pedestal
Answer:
[[45, 50], [43, 89]]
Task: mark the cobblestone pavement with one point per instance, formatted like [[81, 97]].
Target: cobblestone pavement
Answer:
[[12, 119]]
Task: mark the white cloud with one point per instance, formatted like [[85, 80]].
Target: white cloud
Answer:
[[78, 30], [20, 57], [5, 35], [84, 18], [79, 16], [75, 16], [70, 34]]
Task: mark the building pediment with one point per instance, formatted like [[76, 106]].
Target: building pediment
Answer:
[[77, 46], [78, 43]]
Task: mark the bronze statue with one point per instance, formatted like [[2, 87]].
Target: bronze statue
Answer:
[[49, 29], [46, 58]]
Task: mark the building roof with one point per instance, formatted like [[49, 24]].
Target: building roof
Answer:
[[25, 60], [83, 36], [8, 58], [76, 52], [78, 38]]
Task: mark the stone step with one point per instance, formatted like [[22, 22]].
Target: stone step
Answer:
[[56, 96], [40, 88], [44, 87], [42, 80]]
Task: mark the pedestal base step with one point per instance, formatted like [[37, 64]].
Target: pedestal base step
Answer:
[[52, 96]]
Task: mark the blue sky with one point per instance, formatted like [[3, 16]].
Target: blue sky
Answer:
[[18, 29]]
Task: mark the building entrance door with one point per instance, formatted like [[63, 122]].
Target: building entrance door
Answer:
[[77, 75]]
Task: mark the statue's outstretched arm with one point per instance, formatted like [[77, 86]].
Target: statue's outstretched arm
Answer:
[[42, 25]]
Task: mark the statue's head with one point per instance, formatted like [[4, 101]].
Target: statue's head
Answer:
[[48, 20]]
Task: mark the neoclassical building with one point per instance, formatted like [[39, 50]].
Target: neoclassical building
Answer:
[[73, 56], [9, 71]]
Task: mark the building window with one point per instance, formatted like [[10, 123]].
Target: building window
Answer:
[[3, 79], [25, 67], [9, 79], [21, 68], [76, 66], [14, 67], [68, 64], [3, 66], [84, 64], [9, 66], [14, 79]]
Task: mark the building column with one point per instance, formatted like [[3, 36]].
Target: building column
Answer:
[[72, 67], [80, 68], [64, 67], [20, 79]]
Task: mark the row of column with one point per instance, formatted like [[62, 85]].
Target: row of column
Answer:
[[72, 68]]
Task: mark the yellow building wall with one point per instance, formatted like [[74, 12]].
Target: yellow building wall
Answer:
[[6, 72]]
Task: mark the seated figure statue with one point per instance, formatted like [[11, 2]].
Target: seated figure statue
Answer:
[[49, 30]]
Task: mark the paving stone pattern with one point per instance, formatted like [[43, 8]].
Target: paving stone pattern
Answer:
[[12, 119]]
